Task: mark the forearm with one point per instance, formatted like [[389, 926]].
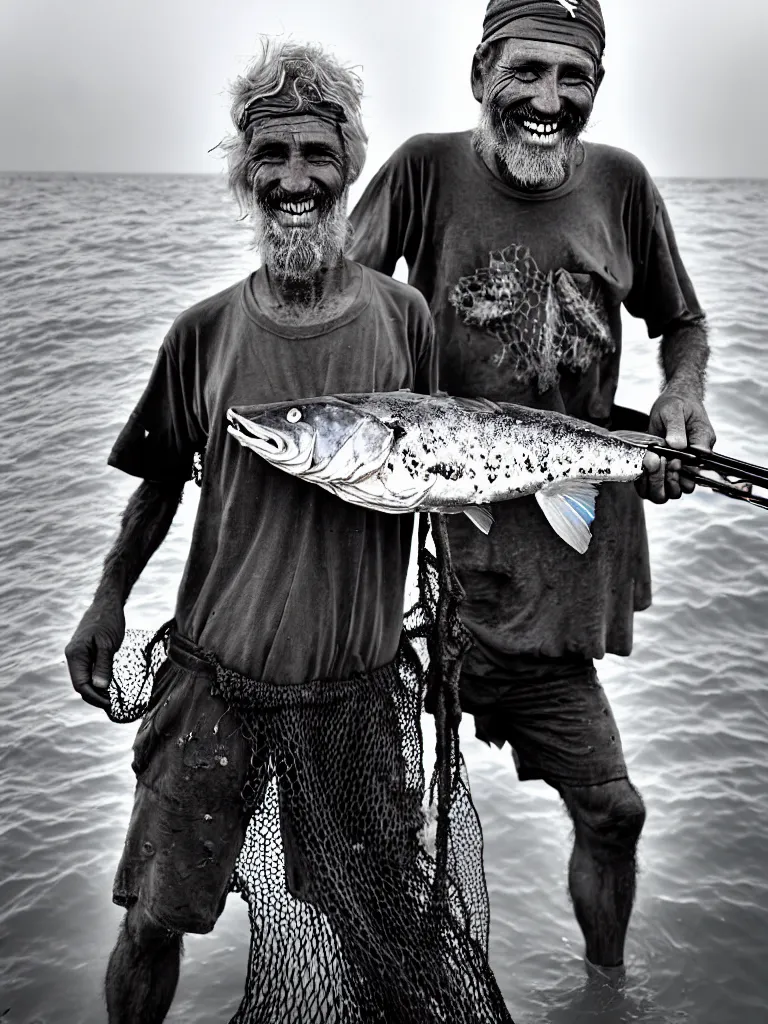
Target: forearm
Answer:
[[684, 357], [144, 525]]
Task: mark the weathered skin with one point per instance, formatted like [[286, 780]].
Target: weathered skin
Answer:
[[401, 452]]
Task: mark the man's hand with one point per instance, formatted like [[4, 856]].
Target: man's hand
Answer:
[[681, 422], [93, 646]]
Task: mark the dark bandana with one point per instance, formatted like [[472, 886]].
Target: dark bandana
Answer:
[[297, 94], [572, 22]]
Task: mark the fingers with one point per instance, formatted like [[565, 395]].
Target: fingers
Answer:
[[672, 416], [682, 422], [687, 483], [102, 668], [652, 486], [79, 660], [701, 433], [90, 669], [651, 462], [97, 698], [672, 484]]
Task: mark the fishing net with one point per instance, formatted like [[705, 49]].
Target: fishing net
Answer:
[[543, 321], [364, 882]]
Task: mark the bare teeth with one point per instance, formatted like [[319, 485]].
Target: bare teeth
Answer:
[[298, 209], [543, 129]]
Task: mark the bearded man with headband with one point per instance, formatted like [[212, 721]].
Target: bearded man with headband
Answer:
[[284, 583], [526, 242]]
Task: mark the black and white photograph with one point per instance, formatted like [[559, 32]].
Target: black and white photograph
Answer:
[[384, 512]]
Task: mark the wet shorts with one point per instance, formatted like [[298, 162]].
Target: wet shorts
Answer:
[[553, 712], [188, 822]]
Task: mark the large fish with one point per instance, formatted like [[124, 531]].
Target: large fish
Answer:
[[402, 452]]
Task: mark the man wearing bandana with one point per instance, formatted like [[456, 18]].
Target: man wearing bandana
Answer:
[[526, 242]]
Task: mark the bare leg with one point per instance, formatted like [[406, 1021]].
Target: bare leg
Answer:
[[143, 972], [607, 820]]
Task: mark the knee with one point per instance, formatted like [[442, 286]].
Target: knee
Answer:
[[608, 818]]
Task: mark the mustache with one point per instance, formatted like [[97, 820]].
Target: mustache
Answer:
[[568, 119]]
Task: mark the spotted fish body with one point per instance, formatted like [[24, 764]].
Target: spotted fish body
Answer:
[[400, 452]]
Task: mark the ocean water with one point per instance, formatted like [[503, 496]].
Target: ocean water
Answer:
[[93, 270]]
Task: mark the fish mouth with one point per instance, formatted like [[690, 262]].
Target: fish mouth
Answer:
[[273, 445]]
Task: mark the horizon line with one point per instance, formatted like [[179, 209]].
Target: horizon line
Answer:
[[218, 174]]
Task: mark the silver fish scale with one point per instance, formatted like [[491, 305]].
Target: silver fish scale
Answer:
[[461, 452]]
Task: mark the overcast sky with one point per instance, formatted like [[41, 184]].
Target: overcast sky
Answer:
[[140, 85]]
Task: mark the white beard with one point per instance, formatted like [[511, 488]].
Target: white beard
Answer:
[[530, 165], [298, 253]]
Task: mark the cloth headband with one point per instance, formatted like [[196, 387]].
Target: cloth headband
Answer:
[[572, 22], [296, 94]]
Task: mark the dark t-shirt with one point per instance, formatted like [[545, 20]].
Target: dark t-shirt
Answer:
[[526, 293], [284, 581]]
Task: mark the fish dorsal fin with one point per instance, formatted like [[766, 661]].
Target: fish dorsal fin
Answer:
[[569, 506], [479, 516], [636, 437]]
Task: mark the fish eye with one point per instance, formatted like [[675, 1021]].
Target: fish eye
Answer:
[[293, 415]]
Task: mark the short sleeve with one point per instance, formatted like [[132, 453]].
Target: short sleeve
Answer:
[[159, 441], [425, 353], [385, 217], [662, 292]]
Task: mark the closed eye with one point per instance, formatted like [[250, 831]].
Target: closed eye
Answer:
[[317, 153]]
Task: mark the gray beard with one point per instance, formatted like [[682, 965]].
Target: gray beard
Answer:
[[297, 254], [526, 163]]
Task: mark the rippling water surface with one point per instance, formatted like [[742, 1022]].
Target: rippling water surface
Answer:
[[93, 270]]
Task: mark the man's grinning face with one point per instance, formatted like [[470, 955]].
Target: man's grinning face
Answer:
[[297, 174], [536, 100]]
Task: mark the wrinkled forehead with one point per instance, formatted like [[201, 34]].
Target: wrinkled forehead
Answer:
[[297, 130], [515, 52]]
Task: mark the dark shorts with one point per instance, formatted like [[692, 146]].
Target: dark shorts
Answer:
[[553, 712], [188, 822]]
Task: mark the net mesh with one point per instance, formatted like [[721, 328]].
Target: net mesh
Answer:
[[364, 881], [543, 321]]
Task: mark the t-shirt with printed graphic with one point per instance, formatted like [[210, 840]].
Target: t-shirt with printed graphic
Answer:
[[284, 581], [526, 292]]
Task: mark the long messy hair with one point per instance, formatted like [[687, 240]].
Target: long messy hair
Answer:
[[266, 76]]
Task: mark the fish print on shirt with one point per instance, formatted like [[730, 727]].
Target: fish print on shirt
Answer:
[[543, 322]]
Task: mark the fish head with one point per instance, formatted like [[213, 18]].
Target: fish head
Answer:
[[321, 440]]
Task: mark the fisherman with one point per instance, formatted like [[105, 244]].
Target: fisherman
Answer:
[[526, 241], [284, 583]]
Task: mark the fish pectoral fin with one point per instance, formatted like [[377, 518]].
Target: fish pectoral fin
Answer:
[[637, 437], [569, 506], [479, 515]]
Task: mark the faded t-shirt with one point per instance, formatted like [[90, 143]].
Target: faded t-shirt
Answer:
[[526, 293], [284, 581]]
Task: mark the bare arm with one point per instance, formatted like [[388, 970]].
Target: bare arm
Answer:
[[678, 414], [144, 525], [684, 357]]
